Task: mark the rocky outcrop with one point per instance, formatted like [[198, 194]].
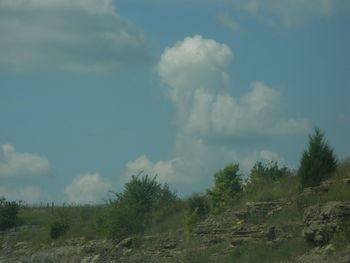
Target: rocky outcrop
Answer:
[[257, 210], [249, 224], [321, 221], [326, 254]]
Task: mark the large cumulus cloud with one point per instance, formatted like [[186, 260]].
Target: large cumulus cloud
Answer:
[[211, 120], [194, 71]]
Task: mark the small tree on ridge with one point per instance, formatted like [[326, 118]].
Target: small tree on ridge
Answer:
[[317, 162]]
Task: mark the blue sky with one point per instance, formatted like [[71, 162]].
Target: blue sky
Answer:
[[94, 91]]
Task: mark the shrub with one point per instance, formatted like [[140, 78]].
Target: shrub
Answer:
[[228, 185], [131, 210], [8, 214], [269, 182], [197, 210], [57, 229], [199, 203], [317, 162], [269, 170], [60, 222]]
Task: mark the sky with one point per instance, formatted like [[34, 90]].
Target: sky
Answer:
[[95, 91]]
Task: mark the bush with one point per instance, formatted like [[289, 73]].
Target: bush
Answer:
[[132, 210], [197, 210], [57, 229], [199, 203], [8, 214], [228, 185], [269, 182], [267, 171], [60, 222], [317, 162]]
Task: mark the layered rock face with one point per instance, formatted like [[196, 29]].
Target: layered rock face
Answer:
[[322, 221]]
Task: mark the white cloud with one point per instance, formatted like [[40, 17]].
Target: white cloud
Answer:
[[15, 164], [258, 113], [28, 194], [194, 71], [87, 188], [166, 171], [83, 35], [192, 64]]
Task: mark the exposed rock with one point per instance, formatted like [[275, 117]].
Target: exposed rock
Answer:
[[326, 254], [126, 243], [321, 221], [259, 209]]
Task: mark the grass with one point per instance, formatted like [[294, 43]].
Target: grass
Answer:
[[270, 190], [193, 255], [84, 221], [262, 252]]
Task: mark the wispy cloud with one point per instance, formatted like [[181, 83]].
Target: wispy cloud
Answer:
[[229, 22], [286, 13], [67, 35]]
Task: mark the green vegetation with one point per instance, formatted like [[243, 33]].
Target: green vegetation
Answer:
[[227, 186], [148, 207], [8, 214], [318, 161], [198, 209], [142, 202], [60, 223], [262, 252], [270, 182]]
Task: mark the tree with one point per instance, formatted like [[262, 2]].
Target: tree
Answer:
[[317, 162], [228, 184], [131, 211], [8, 213]]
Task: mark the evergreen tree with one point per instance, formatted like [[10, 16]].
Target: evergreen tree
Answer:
[[317, 162]]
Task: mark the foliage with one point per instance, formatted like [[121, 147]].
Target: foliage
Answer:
[[8, 214], [197, 209], [60, 223], [227, 185], [269, 182], [317, 162], [341, 238], [343, 169], [199, 203], [271, 170], [132, 209]]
